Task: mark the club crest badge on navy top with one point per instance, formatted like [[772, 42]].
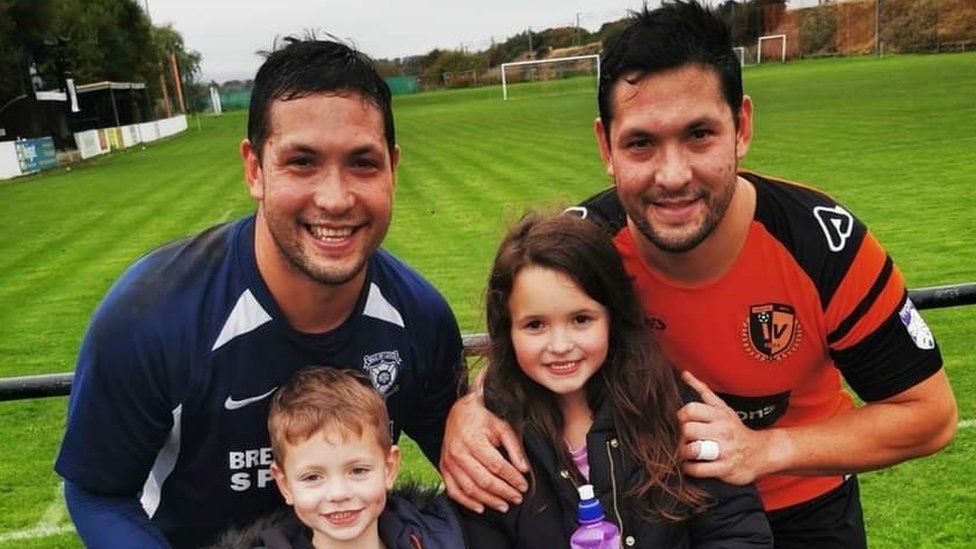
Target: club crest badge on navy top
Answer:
[[383, 368]]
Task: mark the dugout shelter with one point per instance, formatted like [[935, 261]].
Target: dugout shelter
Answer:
[[111, 104]]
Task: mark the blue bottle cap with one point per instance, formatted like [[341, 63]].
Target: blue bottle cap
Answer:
[[590, 509]]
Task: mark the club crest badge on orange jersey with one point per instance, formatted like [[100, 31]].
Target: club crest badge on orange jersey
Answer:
[[771, 331]]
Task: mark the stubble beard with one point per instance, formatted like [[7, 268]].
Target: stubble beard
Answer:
[[300, 262], [716, 209]]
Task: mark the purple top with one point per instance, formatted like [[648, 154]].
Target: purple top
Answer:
[[579, 459]]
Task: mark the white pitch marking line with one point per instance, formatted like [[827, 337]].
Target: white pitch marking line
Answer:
[[53, 521], [35, 533], [57, 512]]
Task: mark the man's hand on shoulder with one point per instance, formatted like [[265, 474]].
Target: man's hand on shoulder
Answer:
[[475, 472]]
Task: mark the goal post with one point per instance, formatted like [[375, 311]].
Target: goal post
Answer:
[[537, 62], [782, 51], [740, 52]]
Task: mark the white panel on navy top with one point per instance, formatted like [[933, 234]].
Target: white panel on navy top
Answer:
[[152, 490], [247, 315], [378, 307]]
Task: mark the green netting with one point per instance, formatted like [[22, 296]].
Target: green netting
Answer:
[[199, 103], [400, 85], [236, 100]]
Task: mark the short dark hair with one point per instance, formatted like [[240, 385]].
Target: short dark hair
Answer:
[[676, 34], [305, 67]]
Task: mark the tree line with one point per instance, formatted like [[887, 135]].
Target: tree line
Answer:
[[748, 20], [91, 41]]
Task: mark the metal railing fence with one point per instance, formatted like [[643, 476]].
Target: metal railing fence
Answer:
[[51, 385]]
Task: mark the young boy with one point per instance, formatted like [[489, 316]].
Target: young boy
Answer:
[[334, 462]]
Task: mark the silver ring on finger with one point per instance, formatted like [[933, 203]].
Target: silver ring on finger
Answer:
[[708, 450]]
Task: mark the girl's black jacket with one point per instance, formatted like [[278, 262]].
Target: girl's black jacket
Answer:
[[547, 516]]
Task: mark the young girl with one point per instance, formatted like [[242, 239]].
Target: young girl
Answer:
[[572, 367]]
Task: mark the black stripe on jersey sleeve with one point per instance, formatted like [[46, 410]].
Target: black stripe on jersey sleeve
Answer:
[[866, 302], [786, 210], [604, 209], [888, 361]]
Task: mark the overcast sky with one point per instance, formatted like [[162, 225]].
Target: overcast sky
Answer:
[[229, 32]]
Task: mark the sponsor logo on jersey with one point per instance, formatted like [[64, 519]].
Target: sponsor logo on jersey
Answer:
[[917, 329], [250, 468], [656, 323], [771, 331], [758, 412], [383, 368], [233, 404], [837, 224]]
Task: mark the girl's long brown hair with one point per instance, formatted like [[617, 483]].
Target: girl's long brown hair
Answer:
[[636, 378]]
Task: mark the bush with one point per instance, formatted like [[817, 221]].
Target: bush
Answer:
[[818, 31]]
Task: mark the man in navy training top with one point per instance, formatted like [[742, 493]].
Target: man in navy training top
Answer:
[[166, 440]]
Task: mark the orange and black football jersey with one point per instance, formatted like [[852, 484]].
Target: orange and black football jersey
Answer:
[[812, 296]]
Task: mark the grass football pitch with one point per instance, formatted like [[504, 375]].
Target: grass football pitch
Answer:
[[893, 139]]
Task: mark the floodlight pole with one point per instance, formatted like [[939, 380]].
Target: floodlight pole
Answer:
[[579, 38], [177, 82], [162, 84], [877, 28]]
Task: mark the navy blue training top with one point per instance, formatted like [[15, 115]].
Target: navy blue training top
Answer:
[[170, 395]]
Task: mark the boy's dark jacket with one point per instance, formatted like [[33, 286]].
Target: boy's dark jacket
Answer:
[[547, 516], [413, 519]]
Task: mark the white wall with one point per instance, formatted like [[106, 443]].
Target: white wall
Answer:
[[148, 132], [89, 144], [9, 167], [130, 135], [171, 126]]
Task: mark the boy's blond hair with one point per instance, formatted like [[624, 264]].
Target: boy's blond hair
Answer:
[[330, 400]]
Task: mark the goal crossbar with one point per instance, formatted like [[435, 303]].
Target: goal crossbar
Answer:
[[543, 62], [448, 77]]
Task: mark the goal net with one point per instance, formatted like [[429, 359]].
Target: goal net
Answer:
[[579, 73], [460, 79], [775, 46]]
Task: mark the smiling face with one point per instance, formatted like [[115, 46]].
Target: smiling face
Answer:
[[672, 149], [559, 333], [324, 183], [337, 486]]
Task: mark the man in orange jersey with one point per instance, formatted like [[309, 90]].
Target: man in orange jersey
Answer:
[[766, 291]]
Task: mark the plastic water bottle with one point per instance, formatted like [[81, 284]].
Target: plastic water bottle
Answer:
[[594, 532]]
